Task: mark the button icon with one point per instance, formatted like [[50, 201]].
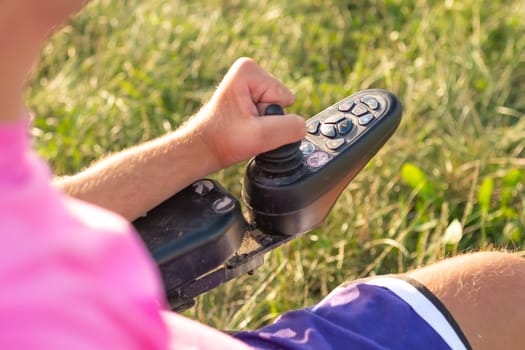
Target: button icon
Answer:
[[313, 126], [317, 159], [359, 110], [223, 205], [345, 126], [202, 187]]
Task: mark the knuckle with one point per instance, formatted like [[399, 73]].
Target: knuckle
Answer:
[[243, 64]]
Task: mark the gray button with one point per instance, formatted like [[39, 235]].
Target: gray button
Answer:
[[359, 110], [202, 187], [335, 144], [346, 106], [334, 119], [313, 126], [223, 205], [345, 126], [370, 102], [366, 119], [306, 148], [329, 130]]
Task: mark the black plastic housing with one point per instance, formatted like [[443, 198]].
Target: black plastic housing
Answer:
[[187, 237], [299, 202]]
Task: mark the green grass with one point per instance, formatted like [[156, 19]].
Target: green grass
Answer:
[[124, 72]]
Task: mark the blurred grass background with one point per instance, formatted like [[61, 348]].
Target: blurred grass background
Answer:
[[451, 179]]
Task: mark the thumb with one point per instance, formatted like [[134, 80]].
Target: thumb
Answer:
[[278, 130]]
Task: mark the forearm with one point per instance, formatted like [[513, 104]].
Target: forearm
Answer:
[[135, 180], [225, 131]]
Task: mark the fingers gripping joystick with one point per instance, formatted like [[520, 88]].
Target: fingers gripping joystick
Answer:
[[284, 160], [291, 190]]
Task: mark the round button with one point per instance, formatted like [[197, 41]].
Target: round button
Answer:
[[306, 148], [223, 205], [317, 159]]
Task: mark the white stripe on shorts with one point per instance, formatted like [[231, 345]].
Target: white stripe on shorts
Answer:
[[422, 306]]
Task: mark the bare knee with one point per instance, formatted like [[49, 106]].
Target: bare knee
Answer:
[[485, 292]]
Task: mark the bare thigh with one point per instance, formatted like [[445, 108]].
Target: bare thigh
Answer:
[[485, 293]]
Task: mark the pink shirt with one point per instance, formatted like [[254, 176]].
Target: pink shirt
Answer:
[[74, 276]]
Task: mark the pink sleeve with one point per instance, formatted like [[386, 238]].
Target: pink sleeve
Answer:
[[74, 276], [76, 288]]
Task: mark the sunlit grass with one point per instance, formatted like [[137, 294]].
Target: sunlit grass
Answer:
[[123, 72]]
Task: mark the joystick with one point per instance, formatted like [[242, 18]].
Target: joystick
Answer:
[[283, 160], [340, 141]]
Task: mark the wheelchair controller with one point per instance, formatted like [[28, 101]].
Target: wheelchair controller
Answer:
[[200, 237]]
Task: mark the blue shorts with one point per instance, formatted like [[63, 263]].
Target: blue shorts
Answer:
[[378, 313]]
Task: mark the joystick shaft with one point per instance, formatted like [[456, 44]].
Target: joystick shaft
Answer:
[[281, 161]]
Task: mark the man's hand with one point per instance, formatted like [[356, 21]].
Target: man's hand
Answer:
[[228, 129], [230, 123]]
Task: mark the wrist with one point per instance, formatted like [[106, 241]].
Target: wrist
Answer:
[[195, 144], [195, 135]]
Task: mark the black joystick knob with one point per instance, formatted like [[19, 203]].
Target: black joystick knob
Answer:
[[283, 160]]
